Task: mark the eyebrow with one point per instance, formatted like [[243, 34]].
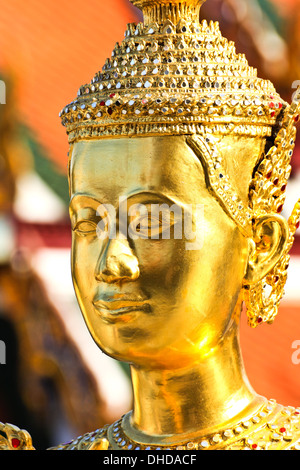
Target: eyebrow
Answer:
[[149, 195], [78, 197]]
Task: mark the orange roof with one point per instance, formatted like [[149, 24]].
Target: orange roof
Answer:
[[52, 48]]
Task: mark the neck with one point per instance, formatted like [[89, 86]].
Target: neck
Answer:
[[200, 399]]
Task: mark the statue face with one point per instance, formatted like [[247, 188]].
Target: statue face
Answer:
[[151, 298]]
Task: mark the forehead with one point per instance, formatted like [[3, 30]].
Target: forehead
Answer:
[[110, 168]]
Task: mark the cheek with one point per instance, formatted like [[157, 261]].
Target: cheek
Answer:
[[83, 260], [161, 262]]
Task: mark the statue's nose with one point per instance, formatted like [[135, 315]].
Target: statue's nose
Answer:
[[117, 263]]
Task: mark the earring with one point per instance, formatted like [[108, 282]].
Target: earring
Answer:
[[267, 196], [262, 299]]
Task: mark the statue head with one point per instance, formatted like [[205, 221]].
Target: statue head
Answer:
[[179, 160]]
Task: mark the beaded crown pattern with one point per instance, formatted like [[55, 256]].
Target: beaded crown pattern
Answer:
[[174, 75]]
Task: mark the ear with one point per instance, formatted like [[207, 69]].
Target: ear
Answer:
[[270, 235]]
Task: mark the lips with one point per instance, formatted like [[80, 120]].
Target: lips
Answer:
[[118, 305]]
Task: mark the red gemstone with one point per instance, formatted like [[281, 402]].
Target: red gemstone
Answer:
[[110, 111], [269, 175], [298, 224], [283, 188], [15, 443], [280, 105], [276, 279], [259, 320], [296, 118], [280, 209], [271, 104], [102, 103], [282, 429], [254, 446], [273, 114], [276, 180], [296, 413], [112, 95]]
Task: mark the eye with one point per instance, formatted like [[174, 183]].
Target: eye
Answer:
[[152, 226], [148, 226], [85, 228]]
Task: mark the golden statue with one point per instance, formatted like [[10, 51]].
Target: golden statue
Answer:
[[178, 121]]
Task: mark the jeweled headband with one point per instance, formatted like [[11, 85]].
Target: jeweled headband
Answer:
[[173, 75]]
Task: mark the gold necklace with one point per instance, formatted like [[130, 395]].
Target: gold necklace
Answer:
[[272, 426]]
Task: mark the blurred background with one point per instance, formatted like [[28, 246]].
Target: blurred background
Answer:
[[55, 382]]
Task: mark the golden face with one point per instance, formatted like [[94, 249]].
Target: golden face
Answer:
[[160, 301]]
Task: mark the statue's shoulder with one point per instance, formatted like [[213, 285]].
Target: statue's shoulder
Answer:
[[14, 438], [95, 440]]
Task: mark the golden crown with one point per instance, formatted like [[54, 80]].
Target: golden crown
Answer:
[[173, 75]]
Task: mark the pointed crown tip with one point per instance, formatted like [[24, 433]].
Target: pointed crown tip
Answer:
[[161, 10]]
